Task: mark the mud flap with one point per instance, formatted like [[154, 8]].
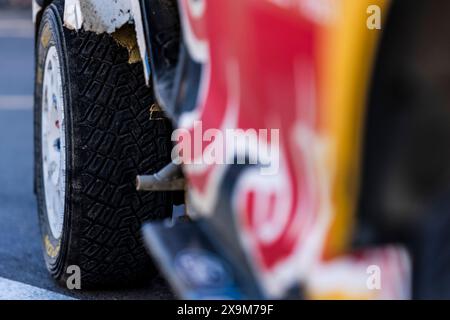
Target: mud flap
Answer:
[[194, 267]]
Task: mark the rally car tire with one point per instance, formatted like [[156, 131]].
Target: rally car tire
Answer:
[[104, 140]]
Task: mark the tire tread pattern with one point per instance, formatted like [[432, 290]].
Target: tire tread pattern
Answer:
[[113, 141]]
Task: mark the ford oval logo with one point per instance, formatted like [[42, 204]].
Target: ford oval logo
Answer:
[[200, 268]]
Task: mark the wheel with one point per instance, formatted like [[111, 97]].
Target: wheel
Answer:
[[93, 136]]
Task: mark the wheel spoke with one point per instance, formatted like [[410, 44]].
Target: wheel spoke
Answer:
[[53, 143]]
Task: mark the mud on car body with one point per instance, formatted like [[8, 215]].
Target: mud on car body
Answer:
[[359, 204]]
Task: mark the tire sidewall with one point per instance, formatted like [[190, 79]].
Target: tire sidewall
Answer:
[[51, 34]]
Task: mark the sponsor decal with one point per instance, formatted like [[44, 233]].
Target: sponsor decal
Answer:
[[202, 269], [51, 250]]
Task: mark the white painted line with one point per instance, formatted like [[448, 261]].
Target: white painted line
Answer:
[[24, 102], [13, 290]]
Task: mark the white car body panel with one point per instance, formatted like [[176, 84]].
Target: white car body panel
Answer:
[[104, 16]]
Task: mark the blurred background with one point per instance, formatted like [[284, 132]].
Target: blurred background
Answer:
[[19, 250], [16, 4]]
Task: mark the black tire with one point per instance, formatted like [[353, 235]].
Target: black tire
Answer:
[[109, 140]]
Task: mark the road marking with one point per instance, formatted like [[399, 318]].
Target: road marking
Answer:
[[13, 290], [19, 102]]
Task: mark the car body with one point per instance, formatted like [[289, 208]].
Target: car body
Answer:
[[301, 71]]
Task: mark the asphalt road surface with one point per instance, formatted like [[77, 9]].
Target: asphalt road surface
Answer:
[[22, 269]]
